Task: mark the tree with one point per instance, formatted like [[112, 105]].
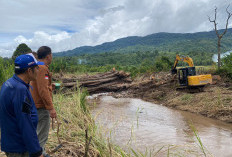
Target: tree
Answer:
[[219, 36], [21, 49], [226, 68]]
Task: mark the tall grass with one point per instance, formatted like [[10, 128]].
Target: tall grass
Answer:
[[200, 144], [78, 130], [6, 70]]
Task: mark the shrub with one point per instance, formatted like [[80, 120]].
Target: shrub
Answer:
[[6, 70], [226, 69]]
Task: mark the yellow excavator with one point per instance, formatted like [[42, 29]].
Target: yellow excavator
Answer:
[[187, 76]]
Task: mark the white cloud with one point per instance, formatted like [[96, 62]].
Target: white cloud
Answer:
[[65, 25], [42, 38]]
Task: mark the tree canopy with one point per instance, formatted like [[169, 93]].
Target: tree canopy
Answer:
[[21, 49]]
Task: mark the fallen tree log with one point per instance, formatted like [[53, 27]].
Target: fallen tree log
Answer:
[[101, 82], [89, 77], [98, 82], [110, 87], [90, 83]]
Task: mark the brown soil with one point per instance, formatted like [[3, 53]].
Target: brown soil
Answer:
[[215, 101]]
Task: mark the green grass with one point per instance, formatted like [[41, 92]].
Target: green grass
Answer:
[[186, 97], [200, 144], [73, 113], [6, 70]]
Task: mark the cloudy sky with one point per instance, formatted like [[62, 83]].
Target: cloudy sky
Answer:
[[67, 24]]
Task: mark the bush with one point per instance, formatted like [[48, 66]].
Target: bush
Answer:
[[6, 70], [163, 64], [226, 69]]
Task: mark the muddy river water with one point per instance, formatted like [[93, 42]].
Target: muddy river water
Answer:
[[140, 125]]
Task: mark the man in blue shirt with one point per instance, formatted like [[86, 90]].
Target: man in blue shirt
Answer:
[[18, 114]]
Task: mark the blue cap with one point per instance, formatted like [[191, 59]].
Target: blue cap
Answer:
[[25, 61]]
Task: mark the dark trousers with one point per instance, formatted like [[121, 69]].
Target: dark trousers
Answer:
[[26, 154], [43, 127]]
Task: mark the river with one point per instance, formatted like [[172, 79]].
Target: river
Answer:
[[140, 125]]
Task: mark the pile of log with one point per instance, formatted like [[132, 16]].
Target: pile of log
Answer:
[[112, 81]]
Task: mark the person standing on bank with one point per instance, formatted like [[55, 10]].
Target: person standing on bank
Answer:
[[18, 114], [42, 95]]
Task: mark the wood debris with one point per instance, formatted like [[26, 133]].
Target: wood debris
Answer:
[[112, 81]]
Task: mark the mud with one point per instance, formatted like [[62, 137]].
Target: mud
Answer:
[[142, 125], [215, 101]]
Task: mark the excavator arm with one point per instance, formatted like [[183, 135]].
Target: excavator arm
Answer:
[[184, 59]]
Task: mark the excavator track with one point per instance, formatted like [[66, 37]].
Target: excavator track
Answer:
[[191, 89]]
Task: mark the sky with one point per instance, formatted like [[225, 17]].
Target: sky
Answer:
[[67, 24]]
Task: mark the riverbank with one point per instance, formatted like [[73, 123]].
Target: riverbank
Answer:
[[78, 133], [75, 133], [160, 88], [141, 125], [214, 102]]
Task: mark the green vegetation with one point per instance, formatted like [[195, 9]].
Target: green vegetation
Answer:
[[139, 55], [21, 49], [78, 129], [136, 62], [200, 42], [186, 97], [200, 144], [226, 69], [6, 70]]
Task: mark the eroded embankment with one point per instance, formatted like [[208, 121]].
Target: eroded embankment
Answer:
[[160, 88], [214, 102], [141, 125]]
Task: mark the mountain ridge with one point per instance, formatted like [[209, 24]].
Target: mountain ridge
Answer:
[[162, 41]]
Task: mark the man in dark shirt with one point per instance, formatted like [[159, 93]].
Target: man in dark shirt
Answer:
[[18, 114]]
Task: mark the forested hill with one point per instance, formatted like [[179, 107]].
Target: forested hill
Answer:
[[175, 42]]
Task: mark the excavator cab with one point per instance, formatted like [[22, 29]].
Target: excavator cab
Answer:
[[184, 73], [187, 76]]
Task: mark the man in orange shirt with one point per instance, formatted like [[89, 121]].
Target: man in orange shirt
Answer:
[[42, 95]]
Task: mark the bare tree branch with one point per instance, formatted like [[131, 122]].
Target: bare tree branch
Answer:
[[214, 22], [227, 21], [217, 33], [215, 10]]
